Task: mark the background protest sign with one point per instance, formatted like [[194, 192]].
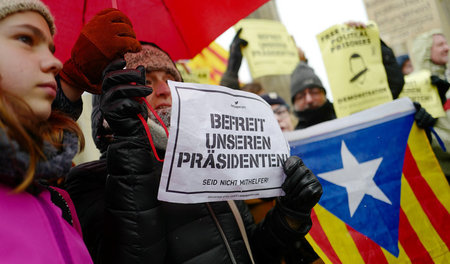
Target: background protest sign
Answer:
[[224, 144], [352, 58], [270, 50], [385, 198], [206, 67], [418, 87], [401, 20]]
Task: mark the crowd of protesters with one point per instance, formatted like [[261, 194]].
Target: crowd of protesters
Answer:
[[121, 219], [107, 210]]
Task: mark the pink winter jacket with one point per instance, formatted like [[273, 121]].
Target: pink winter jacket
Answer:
[[33, 231]]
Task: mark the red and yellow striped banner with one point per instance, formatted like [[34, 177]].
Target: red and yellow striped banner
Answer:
[[207, 67]]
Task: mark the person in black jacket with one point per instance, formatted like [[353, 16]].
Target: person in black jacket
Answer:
[[116, 197]]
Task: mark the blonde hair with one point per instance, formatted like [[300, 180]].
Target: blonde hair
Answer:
[[21, 125]]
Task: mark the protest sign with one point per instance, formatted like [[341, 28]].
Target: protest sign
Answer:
[[206, 67], [224, 144], [193, 75], [418, 87], [270, 50], [352, 58], [399, 20]]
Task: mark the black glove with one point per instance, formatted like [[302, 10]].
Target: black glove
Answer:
[[442, 87], [423, 118], [120, 102], [235, 59], [303, 190]]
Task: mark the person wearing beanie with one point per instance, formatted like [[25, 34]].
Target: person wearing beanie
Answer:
[[122, 219], [159, 68], [405, 64], [10, 7], [308, 96], [38, 222], [280, 110]]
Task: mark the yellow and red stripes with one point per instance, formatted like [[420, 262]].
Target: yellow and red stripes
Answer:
[[411, 242], [214, 58], [318, 235], [434, 210], [369, 250]]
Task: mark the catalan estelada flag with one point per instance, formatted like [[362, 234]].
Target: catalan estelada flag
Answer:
[[385, 197]]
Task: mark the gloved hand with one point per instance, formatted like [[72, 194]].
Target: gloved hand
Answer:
[[303, 190], [423, 118], [120, 102], [442, 87], [235, 58], [106, 37]]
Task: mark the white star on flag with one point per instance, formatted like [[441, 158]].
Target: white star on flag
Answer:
[[356, 178]]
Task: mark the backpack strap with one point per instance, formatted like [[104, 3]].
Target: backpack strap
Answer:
[[240, 222]]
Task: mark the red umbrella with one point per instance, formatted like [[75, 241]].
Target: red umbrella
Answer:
[[181, 27]]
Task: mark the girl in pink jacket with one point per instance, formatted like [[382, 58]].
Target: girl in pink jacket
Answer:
[[37, 144]]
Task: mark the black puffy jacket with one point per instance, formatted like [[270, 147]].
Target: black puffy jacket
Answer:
[[123, 222]]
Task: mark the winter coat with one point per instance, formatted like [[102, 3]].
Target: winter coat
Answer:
[[312, 117], [137, 228], [36, 225], [63, 104], [393, 70], [33, 231]]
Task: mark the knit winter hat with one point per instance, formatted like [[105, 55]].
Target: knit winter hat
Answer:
[[273, 99], [9, 7], [304, 77], [402, 59], [153, 59]]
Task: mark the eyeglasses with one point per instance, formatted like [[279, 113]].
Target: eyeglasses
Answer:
[[281, 111], [313, 92]]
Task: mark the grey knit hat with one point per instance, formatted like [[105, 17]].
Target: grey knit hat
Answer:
[[9, 7], [304, 77]]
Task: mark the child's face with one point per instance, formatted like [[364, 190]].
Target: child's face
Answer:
[[27, 64]]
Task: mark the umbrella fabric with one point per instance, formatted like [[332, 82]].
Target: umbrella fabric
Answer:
[[182, 28]]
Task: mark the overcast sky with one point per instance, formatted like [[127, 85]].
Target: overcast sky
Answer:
[[304, 19]]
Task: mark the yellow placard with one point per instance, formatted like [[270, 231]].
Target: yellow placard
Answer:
[[270, 50], [352, 58], [418, 88], [193, 75], [207, 67]]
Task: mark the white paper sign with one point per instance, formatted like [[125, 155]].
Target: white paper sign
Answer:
[[224, 144]]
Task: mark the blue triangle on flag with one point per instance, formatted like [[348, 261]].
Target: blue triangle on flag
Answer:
[[373, 217]]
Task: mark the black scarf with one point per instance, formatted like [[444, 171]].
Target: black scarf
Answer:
[[311, 117]]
